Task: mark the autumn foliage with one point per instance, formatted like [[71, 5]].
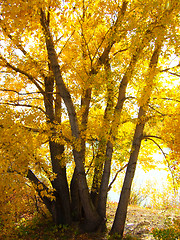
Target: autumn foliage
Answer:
[[85, 84]]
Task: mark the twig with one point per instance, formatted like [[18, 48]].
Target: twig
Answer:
[[110, 185], [164, 154]]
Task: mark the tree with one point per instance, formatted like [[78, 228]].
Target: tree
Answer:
[[73, 74]]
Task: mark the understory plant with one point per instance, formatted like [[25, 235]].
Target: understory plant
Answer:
[[171, 231]]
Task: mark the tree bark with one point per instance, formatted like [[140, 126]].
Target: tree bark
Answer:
[[33, 179], [103, 190], [104, 60], [120, 217], [76, 205], [105, 181], [91, 215], [60, 182], [61, 206]]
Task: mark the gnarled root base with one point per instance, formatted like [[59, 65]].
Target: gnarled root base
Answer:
[[93, 226]]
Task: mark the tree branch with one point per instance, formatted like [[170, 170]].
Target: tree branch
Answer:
[[65, 44], [32, 177], [122, 50], [175, 74], [164, 154], [18, 70], [111, 41], [167, 69], [162, 114], [168, 99], [63, 91], [151, 136], [23, 105], [114, 179], [21, 48], [19, 93]]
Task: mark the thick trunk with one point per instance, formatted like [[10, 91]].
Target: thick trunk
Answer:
[[76, 205], [98, 171], [92, 218], [104, 60], [101, 156], [105, 181], [60, 182], [120, 217], [90, 212], [57, 212], [61, 206]]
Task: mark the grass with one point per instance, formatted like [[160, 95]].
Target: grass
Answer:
[[170, 231]]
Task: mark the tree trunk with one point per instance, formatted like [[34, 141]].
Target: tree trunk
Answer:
[[120, 217], [76, 205], [105, 181], [60, 182], [54, 207], [57, 212], [61, 211], [92, 219], [91, 215], [104, 60], [98, 171], [114, 128]]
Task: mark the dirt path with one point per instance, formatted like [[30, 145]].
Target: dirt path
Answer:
[[141, 221]]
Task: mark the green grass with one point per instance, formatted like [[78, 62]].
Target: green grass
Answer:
[[171, 231]]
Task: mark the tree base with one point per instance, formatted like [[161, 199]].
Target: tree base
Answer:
[[93, 226]]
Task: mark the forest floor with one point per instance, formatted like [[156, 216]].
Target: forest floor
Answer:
[[141, 221], [139, 225]]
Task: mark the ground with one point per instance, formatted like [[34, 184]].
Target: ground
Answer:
[[139, 225], [141, 221]]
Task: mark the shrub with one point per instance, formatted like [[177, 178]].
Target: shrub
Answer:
[[171, 231]]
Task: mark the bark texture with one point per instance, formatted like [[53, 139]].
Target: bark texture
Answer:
[[120, 217]]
